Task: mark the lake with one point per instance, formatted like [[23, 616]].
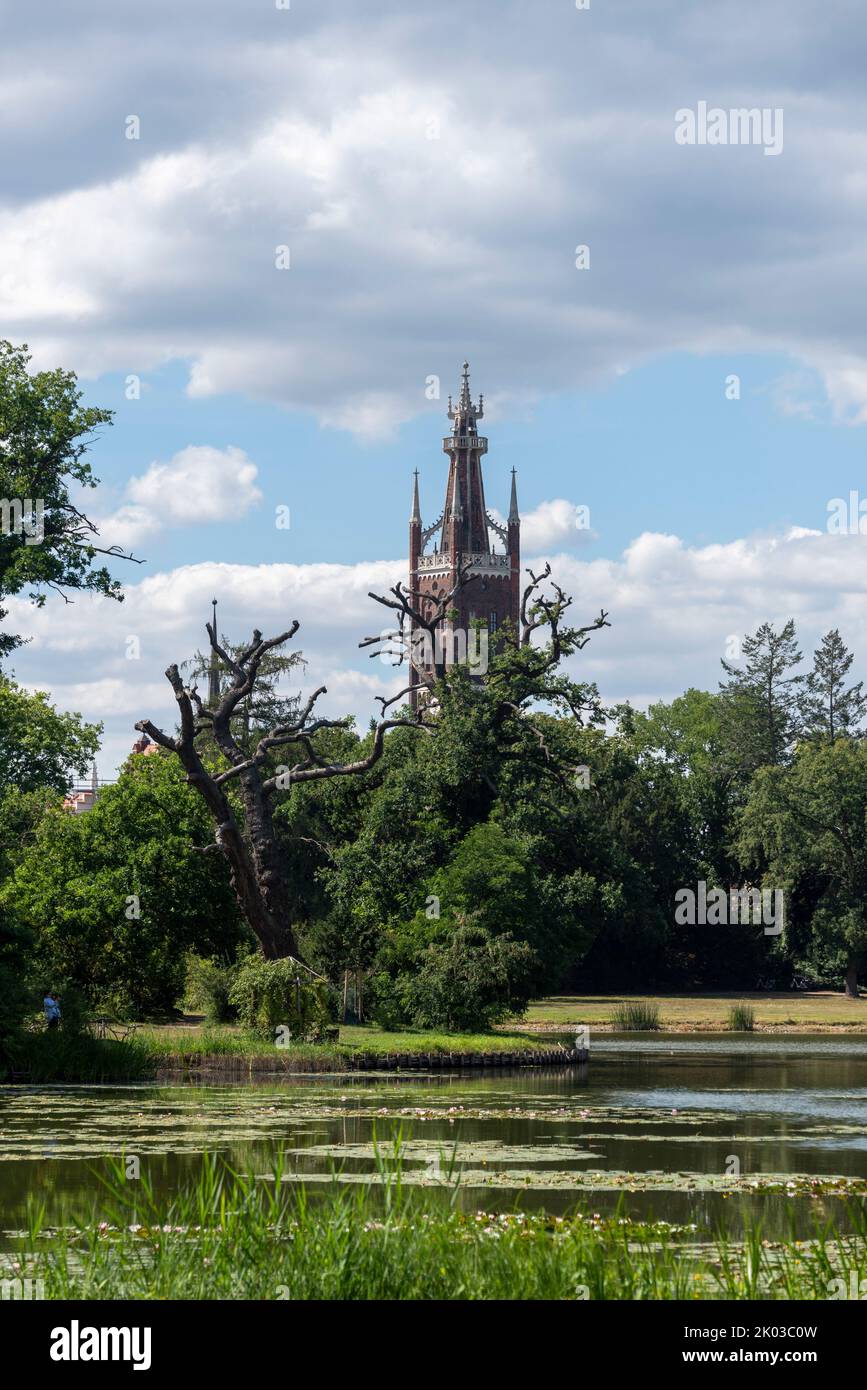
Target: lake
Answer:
[[703, 1130]]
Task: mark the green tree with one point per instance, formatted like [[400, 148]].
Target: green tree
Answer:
[[470, 980], [688, 735], [828, 708], [15, 943], [40, 747], [115, 898], [45, 433], [760, 699], [808, 821]]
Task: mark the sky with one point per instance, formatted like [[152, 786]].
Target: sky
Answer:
[[267, 235]]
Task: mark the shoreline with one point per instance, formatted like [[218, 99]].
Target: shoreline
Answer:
[[793, 1030]]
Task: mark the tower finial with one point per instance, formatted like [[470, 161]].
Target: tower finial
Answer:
[[415, 514], [514, 518]]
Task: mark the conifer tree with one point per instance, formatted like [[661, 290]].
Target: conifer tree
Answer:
[[828, 709], [761, 698]]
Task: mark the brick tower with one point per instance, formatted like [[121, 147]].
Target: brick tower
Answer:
[[466, 532]]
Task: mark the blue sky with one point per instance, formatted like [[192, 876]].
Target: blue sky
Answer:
[[324, 207], [661, 448]]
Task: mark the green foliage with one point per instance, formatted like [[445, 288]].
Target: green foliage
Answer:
[[39, 747], [115, 898], [76, 1057], [207, 987], [637, 1016], [280, 1000], [761, 699], [742, 1018], [806, 824], [827, 707], [469, 980], [45, 433], [15, 942], [225, 1231]]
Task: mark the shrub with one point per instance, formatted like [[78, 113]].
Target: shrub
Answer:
[[637, 1017], [470, 981], [280, 994], [385, 1002], [207, 988], [14, 943], [742, 1018]]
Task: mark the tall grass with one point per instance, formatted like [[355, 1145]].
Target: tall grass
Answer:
[[637, 1016], [742, 1018], [228, 1236], [63, 1056]]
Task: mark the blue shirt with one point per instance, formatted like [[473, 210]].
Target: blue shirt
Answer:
[[51, 1007]]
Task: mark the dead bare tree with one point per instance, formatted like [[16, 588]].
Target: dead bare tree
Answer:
[[259, 871], [260, 874], [521, 687], [413, 641]]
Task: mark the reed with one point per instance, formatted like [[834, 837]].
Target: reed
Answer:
[[742, 1018], [231, 1236], [637, 1016]]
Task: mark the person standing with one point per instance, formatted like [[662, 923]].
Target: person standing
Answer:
[[51, 1007]]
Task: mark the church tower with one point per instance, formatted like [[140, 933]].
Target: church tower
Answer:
[[466, 535]]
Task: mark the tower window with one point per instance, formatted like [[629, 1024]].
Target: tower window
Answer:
[[492, 623]]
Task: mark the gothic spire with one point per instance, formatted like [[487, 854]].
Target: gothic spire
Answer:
[[415, 514], [514, 518]]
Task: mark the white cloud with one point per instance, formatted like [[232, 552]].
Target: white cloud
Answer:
[[426, 200], [553, 526], [672, 608], [199, 484]]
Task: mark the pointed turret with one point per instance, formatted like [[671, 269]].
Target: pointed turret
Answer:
[[513, 503], [415, 514]]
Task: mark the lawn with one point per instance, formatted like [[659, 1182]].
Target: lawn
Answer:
[[790, 1012], [194, 1038]]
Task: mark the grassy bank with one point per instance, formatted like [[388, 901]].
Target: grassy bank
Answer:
[[43, 1057], [793, 1012], [230, 1049], [231, 1237]]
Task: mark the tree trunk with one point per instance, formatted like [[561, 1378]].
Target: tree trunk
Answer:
[[851, 980], [269, 869], [260, 873], [258, 876]]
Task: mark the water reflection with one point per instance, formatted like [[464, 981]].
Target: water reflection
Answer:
[[651, 1122]]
